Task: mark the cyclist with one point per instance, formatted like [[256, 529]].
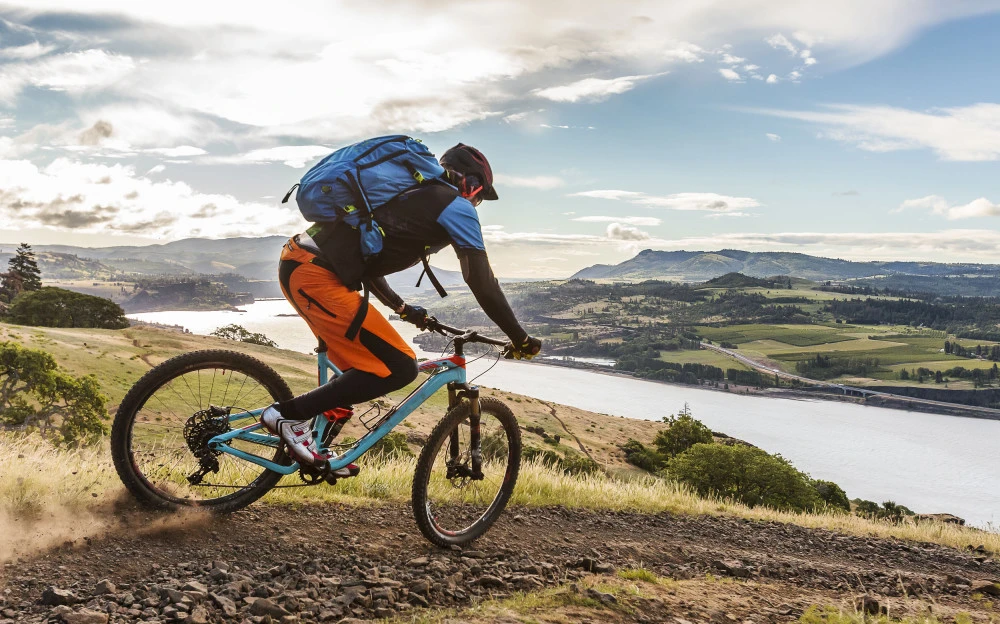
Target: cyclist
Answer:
[[322, 270]]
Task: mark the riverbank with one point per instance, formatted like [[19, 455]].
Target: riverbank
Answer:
[[887, 401]]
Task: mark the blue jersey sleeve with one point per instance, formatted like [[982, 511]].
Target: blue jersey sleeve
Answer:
[[461, 221]]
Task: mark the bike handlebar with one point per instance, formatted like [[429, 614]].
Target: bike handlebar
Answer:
[[463, 334]]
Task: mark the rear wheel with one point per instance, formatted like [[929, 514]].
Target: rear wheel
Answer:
[[451, 504], [162, 427]]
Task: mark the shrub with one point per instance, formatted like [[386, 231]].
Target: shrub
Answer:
[[684, 432], [890, 511], [574, 463], [242, 334], [638, 455], [745, 474], [392, 446], [57, 307], [36, 395], [579, 464], [832, 494]]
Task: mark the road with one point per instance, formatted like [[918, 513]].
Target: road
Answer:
[[984, 412]]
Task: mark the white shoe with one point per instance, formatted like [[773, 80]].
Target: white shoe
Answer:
[[297, 436]]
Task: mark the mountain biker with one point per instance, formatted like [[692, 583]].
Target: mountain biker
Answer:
[[322, 270]]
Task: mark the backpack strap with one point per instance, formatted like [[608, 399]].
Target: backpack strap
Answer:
[[359, 318], [430, 275]]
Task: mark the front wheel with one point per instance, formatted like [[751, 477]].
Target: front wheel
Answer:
[[451, 503], [159, 439]]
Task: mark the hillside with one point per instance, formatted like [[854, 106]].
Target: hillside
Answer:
[[697, 266], [570, 549]]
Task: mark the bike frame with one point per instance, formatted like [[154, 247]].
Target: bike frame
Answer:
[[449, 371]]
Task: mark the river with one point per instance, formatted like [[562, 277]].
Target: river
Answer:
[[930, 463]]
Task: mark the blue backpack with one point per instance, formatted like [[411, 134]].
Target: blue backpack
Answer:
[[350, 184]]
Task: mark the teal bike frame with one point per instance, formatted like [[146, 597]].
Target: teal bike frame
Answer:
[[448, 371]]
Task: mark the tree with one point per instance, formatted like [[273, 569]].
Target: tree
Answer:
[[36, 395], [22, 274], [745, 474], [832, 494], [684, 432], [241, 334], [57, 307]]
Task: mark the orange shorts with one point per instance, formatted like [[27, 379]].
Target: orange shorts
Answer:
[[329, 307]]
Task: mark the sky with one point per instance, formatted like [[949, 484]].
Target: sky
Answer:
[[848, 128]]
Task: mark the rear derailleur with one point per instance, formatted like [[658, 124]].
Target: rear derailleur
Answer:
[[198, 430]]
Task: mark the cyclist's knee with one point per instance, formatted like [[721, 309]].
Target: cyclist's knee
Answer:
[[404, 371]]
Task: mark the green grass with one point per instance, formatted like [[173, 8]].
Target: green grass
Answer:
[[703, 356], [796, 335]]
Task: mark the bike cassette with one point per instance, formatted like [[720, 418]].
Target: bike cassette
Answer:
[[198, 430]]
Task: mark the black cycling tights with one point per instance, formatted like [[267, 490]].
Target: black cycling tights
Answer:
[[355, 386]]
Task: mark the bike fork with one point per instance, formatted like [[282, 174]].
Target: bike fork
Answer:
[[456, 393]]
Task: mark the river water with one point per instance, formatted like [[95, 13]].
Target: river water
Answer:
[[930, 463]]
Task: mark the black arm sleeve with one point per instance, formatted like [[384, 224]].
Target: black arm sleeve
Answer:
[[478, 275], [380, 288]]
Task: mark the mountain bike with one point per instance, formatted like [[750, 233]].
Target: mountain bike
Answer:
[[188, 434]]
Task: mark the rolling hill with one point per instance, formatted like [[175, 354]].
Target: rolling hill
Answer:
[[698, 266]]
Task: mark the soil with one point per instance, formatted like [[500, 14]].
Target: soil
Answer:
[[331, 563]]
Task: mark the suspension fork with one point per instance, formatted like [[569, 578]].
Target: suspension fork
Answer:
[[456, 394]]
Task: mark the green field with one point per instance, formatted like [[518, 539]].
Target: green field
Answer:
[[895, 347], [797, 335], [703, 356]]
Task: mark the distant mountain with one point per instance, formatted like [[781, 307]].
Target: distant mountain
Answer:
[[699, 266], [253, 258]]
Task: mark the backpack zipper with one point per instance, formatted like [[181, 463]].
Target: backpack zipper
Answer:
[[312, 301]]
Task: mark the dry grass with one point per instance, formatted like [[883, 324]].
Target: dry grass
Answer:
[[41, 483]]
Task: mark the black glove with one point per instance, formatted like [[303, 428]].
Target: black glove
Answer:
[[414, 314], [524, 349]]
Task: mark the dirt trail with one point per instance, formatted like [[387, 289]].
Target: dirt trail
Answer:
[[325, 563], [583, 449]]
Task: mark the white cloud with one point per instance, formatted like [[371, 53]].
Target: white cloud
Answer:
[[794, 75], [970, 133], [617, 231], [157, 169], [729, 74], [177, 152], [773, 137], [26, 52], [780, 41], [295, 156], [709, 202], [516, 117], [772, 79], [729, 215], [729, 59], [134, 126], [410, 83], [751, 67], [74, 72], [643, 221], [72, 196], [806, 39], [593, 89], [540, 183], [981, 207], [810, 61]]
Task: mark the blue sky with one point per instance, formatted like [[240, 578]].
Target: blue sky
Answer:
[[851, 129]]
